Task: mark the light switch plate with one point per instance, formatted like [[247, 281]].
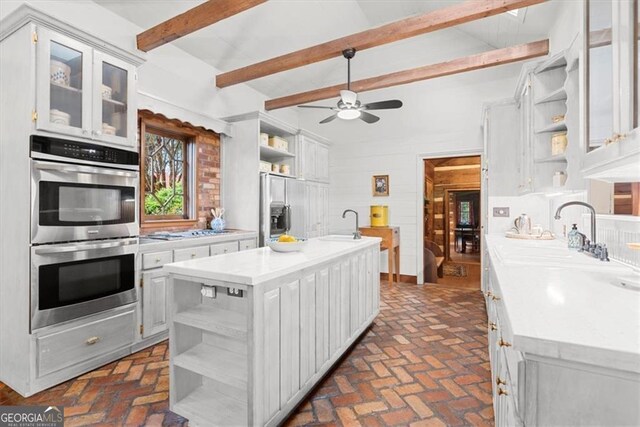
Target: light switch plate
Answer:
[[501, 212]]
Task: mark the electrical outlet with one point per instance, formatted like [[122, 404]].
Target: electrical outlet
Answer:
[[235, 292], [208, 291], [501, 212]]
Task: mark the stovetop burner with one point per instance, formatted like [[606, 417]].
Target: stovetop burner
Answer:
[[185, 234]]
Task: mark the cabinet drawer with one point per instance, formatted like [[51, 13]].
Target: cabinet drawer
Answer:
[[247, 244], [69, 347], [190, 253], [224, 248], [156, 259]]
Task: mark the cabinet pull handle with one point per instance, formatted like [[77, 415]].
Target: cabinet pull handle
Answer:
[[503, 343], [500, 381], [157, 259], [193, 255], [495, 297], [488, 294], [502, 392], [92, 340], [493, 326]]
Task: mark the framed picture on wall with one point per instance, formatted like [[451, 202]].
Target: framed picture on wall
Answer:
[[380, 184]]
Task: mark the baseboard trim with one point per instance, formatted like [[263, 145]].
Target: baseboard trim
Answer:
[[404, 278]]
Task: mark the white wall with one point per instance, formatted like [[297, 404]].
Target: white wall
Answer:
[[169, 73]]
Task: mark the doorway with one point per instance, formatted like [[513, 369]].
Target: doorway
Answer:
[[452, 221]]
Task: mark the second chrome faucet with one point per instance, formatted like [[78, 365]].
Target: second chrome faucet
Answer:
[[356, 234]]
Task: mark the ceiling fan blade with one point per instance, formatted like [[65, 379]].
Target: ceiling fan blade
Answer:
[[316, 106], [383, 105], [369, 118], [329, 119]]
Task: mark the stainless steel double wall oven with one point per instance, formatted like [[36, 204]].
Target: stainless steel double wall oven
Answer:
[[84, 228]]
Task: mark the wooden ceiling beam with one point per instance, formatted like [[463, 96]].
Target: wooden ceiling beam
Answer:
[[468, 63], [450, 16], [192, 20]]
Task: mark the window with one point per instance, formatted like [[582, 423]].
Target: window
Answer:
[[165, 176], [464, 213]]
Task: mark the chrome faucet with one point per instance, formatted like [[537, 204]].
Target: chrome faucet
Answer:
[[356, 234], [592, 248], [591, 210]]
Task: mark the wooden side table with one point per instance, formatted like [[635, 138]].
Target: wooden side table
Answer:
[[391, 242]]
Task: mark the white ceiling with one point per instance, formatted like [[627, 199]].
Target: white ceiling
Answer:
[[281, 26]]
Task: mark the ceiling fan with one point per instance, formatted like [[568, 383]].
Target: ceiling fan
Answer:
[[349, 108]]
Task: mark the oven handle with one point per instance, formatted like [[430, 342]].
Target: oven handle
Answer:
[[83, 169], [55, 249]]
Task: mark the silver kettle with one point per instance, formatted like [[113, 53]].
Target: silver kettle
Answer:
[[523, 224]]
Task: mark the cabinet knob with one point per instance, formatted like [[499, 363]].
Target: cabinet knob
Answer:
[[225, 251], [193, 255], [502, 392], [493, 326], [157, 260], [92, 340], [495, 297], [500, 381], [503, 343], [488, 294]]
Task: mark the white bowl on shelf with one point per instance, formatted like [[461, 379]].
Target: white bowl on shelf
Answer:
[[59, 72], [59, 117], [287, 246], [107, 92]]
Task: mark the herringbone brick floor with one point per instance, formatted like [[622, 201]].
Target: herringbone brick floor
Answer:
[[423, 363]]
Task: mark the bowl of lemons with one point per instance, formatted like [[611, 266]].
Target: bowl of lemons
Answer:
[[286, 243]]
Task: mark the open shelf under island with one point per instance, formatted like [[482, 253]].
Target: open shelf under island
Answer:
[[253, 332]]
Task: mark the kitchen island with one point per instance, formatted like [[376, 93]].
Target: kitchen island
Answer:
[[251, 333]]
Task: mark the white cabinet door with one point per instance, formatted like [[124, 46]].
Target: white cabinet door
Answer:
[[322, 318], [355, 296], [307, 328], [308, 164], [289, 341], [345, 301], [311, 200], [247, 244], [223, 248], [114, 119], [271, 354], [64, 84], [323, 209], [334, 309], [154, 302], [322, 163]]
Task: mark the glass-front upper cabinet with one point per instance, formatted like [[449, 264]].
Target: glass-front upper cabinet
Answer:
[[113, 119], [81, 91], [63, 84]]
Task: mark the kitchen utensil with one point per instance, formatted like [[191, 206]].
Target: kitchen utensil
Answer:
[[287, 246], [59, 117], [59, 72], [558, 143], [523, 224]]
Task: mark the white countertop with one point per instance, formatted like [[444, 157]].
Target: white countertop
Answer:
[[153, 245], [260, 265], [569, 307]]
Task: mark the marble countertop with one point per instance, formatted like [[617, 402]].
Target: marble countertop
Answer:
[[152, 245], [260, 265], [566, 305]]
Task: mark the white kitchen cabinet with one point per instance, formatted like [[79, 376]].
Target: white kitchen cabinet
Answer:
[[314, 157], [154, 302], [317, 209], [248, 244], [84, 92], [190, 253], [223, 248]]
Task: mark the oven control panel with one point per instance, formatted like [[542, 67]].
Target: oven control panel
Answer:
[[82, 151]]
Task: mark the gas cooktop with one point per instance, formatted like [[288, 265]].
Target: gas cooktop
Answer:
[[185, 234]]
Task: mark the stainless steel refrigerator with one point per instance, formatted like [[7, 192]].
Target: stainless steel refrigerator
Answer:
[[282, 202]]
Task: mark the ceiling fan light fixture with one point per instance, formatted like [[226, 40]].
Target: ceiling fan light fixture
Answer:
[[349, 114]]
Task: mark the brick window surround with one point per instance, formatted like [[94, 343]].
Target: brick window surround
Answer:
[[206, 160]]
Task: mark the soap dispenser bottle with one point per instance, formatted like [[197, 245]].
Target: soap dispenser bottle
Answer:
[[575, 239]]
